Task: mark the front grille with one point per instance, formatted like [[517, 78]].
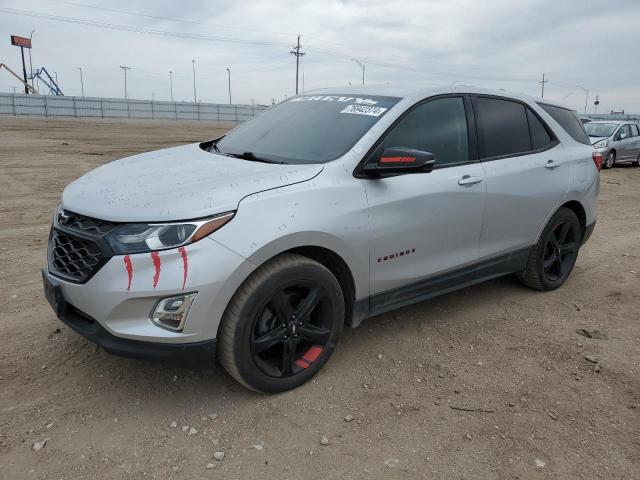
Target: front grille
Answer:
[[77, 249], [72, 257]]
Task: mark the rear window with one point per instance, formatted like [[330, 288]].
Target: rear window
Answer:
[[569, 121]]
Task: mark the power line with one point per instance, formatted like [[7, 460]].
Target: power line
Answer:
[[150, 31]]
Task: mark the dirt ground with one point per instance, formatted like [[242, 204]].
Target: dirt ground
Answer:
[[548, 413]]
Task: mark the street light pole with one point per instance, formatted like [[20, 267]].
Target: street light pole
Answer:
[[195, 98], [125, 68], [171, 84], [229, 72], [587, 99], [362, 66], [81, 82], [566, 96]]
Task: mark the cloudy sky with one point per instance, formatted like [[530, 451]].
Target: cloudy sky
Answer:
[[491, 43]]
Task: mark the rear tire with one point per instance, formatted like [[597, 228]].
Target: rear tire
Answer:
[[282, 324], [610, 160], [552, 259]]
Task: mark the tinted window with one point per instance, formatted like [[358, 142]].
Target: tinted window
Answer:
[[569, 121], [635, 131], [438, 126], [540, 137], [502, 127], [624, 132], [308, 128]]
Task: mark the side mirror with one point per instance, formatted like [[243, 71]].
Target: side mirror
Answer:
[[399, 161], [617, 137]]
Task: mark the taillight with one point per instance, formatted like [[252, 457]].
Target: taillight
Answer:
[[597, 159]]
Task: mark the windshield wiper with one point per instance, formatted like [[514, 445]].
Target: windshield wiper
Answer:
[[252, 157]]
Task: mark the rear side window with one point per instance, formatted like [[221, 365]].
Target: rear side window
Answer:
[[540, 137], [634, 130], [569, 121], [503, 128]]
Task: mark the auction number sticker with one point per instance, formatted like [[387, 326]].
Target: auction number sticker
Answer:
[[364, 110]]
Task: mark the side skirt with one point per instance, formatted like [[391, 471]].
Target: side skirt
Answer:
[[440, 284]]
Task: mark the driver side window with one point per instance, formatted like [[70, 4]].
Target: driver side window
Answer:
[[624, 132], [438, 126]]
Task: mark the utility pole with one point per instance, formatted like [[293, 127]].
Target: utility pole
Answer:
[[195, 98], [229, 72], [362, 66], [587, 99], [81, 82], [297, 53], [171, 84], [30, 64], [125, 68], [543, 81]]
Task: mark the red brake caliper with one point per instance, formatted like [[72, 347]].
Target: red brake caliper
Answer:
[[309, 357]]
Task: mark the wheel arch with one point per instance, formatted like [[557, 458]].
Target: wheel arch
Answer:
[[329, 251], [577, 208]]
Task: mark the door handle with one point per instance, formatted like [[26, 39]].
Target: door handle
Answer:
[[469, 180], [551, 164]]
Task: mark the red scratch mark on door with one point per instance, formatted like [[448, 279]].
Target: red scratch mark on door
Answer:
[[185, 265], [156, 263], [129, 266]]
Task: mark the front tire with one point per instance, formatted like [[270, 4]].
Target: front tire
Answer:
[[282, 325], [610, 160], [637, 162], [552, 259]]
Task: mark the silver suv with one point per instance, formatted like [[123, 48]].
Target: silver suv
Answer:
[[331, 207], [616, 141]]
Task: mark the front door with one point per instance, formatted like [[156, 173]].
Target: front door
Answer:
[[425, 227]]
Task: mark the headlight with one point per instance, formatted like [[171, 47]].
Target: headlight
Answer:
[[147, 237], [601, 144]]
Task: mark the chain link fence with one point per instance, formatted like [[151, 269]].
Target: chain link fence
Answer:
[[94, 107]]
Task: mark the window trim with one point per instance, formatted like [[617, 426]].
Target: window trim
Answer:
[[554, 139], [471, 135]]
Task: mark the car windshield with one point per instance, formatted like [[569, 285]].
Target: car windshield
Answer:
[[306, 129], [600, 129]]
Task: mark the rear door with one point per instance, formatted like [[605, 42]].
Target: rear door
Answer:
[[635, 134], [428, 224], [526, 175]]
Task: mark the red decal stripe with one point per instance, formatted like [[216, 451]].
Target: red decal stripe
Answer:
[[129, 266], [156, 263], [397, 159], [185, 265]]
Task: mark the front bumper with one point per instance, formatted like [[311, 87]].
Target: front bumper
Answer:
[[198, 355], [123, 293]]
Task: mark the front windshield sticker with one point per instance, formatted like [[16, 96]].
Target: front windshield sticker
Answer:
[[335, 98], [364, 110]]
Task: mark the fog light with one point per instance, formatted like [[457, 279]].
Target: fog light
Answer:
[[171, 312]]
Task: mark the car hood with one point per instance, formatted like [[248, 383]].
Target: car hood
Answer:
[[595, 140], [177, 183]]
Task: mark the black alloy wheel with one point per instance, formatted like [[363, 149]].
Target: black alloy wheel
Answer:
[[560, 251], [282, 325], [292, 330]]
